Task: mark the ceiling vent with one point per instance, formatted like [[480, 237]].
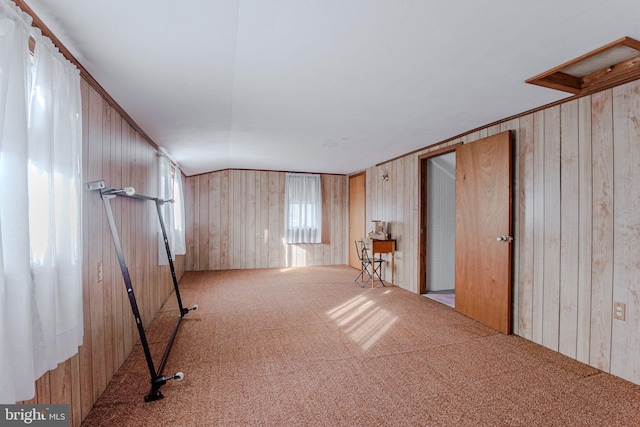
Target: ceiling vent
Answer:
[[608, 66]]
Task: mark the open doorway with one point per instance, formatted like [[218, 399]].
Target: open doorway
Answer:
[[438, 194], [441, 228]]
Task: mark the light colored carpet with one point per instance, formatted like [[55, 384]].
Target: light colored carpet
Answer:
[[308, 347]]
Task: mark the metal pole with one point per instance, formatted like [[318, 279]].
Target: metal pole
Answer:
[[159, 203]]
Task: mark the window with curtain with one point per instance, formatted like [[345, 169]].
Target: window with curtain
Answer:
[[41, 322], [172, 213], [179, 229], [303, 208]]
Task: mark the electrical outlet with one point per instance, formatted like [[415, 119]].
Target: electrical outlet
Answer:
[[100, 276], [619, 311]]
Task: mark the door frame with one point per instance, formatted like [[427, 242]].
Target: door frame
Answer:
[[422, 212]]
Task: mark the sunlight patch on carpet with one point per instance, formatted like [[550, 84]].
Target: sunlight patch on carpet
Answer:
[[363, 321]]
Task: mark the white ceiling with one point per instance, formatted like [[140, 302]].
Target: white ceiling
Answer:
[[332, 86]]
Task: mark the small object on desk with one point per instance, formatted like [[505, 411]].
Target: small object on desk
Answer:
[[378, 236], [378, 230]]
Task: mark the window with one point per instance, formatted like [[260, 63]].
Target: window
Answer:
[[180, 247], [172, 213], [303, 208]]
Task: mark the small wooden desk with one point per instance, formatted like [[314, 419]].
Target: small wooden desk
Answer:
[[382, 247]]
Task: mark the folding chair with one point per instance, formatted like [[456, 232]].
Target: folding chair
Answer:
[[365, 262]]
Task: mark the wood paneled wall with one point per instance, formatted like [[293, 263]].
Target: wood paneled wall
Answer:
[[576, 225], [112, 151], [235, 219]]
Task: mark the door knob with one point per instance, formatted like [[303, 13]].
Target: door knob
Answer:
[[505, 239]]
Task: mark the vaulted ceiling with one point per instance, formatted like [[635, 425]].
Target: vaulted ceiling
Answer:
[[331, 86]]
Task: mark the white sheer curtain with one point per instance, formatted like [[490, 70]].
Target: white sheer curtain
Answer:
[[41, 321], [302, 208], [165, 192], [170, 185], [179, 230]]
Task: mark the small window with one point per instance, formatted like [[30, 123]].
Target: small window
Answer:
[[303, 208]]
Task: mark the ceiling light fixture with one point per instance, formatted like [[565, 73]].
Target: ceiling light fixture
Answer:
[[605, 67]]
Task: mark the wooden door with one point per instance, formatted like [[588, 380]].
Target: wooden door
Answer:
[[356, 215], [483, 214]]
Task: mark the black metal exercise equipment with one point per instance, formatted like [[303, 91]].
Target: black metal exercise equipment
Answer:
[[106, 194]]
